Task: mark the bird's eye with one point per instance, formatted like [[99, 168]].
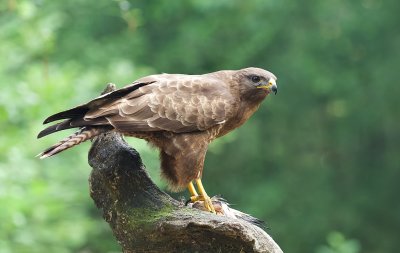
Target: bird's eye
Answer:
[[255, 79]]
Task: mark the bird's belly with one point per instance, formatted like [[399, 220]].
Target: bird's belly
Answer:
[[153, 138]]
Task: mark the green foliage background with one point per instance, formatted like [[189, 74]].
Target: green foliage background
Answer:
[[319, 161]]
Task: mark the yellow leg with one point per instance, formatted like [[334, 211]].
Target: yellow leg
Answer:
[[193, 193], [192, 190], [207, 201]]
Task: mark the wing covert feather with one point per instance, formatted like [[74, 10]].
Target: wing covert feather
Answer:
[[173, 103]]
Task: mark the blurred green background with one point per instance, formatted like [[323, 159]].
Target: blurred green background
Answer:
[[319, 162]]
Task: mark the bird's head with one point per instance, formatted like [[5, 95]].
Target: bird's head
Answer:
[[257, 81]]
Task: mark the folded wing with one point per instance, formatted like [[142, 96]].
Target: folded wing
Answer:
[[176, 103]]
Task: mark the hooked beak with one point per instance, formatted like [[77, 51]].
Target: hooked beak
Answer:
[[271, 86]]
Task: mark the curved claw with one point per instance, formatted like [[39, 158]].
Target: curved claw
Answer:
[[209, 205], [202, 197], [207, 202]]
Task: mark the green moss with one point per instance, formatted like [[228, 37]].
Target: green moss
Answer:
[[142, 217]]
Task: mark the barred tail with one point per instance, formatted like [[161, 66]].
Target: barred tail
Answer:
[[83, 134]]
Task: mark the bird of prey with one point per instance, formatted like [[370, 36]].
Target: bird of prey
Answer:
[[178, 114]]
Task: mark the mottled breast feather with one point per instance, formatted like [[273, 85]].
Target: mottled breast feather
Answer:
[[176, 103]]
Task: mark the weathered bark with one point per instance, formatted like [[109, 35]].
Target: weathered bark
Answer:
[[145, 219]]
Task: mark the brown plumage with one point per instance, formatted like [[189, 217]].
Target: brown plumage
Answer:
[[178, 114]]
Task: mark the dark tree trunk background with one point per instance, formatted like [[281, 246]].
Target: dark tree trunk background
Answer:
[[145, 219]]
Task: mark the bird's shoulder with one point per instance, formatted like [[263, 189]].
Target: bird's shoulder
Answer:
[[185, 90], [216, 80]]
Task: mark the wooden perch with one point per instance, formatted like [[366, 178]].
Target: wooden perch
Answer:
[[145, 219]]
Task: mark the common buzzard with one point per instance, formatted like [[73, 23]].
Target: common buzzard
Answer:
[[178, 114]]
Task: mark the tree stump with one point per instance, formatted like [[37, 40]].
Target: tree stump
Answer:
[[145, 219]]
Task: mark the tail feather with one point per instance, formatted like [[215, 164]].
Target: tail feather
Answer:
[[72, 123], [66, 124], [84, 134], [108, 96], [71, 113]]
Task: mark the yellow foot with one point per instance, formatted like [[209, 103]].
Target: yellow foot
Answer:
[[207, 202], [202, 197]]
